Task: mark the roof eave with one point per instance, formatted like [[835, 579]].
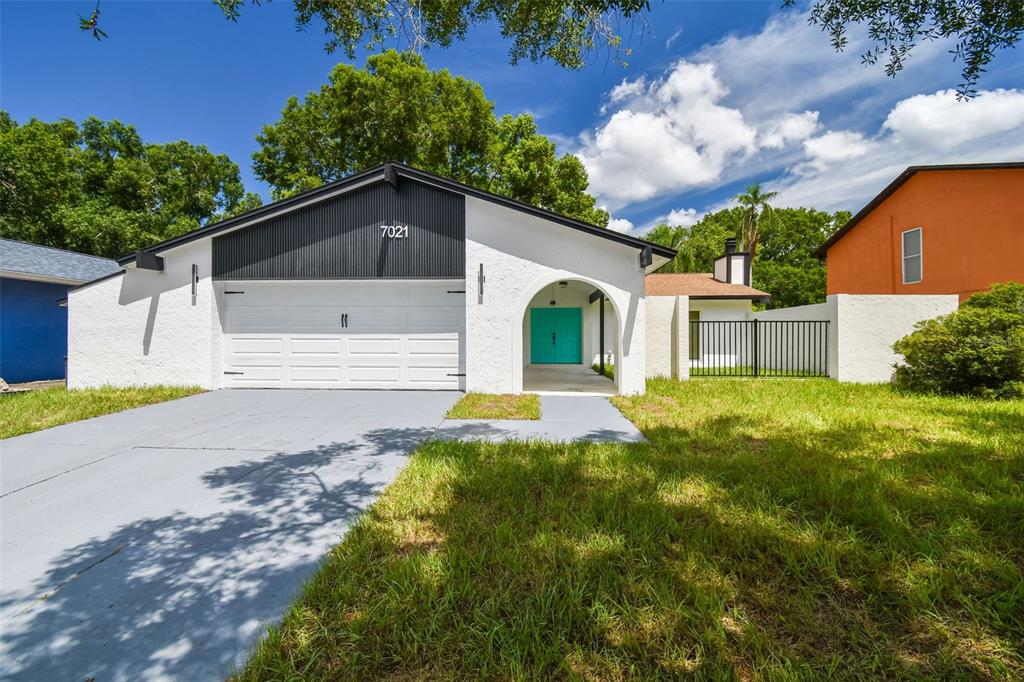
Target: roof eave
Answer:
[[96, 281], [757, 298]]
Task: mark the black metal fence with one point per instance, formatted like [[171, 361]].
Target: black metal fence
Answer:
[[753, 348]]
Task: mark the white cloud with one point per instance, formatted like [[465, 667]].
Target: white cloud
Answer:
[[620, 225], [627, 89], [782, 104], [939, 119], [838, 145], [683, 216], [845, 169], [791, 65], [669, 135], [789, 128], [672, 38]]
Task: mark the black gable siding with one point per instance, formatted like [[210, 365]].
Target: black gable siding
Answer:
[[340, 238]]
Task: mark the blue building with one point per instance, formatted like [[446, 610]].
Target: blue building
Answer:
[[33, 327]]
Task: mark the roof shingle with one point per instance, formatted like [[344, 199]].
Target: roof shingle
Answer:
[[698, 285], [44, 261]]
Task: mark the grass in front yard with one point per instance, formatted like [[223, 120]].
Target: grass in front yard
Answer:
[[29, 411], [496, 406], [609, 369], [773, 529]]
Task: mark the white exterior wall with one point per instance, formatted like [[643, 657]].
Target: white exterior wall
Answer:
[[862, 329], [668, 336], [724, 309], [660, 321], [681, 353], [868, 325], [143, 327], [522, 254]]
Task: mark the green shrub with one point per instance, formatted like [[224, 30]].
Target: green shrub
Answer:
[[977, 350]]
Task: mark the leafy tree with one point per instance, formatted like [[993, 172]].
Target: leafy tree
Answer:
[[977, 350], [569, 32], [396, 109], [756, 210], [525, 165], [698, 245], [98, 188], [980, 28], [785, 265]]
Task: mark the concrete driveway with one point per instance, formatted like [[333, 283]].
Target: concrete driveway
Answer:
[[158, 543]]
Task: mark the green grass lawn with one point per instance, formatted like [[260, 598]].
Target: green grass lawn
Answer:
[[29, 411], [496, 406], [609, 369], [771, 529]]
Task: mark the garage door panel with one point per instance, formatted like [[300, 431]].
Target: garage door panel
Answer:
[[258, 346], [434, 346], [431, 375], [371, 373], [314, 346], [374, 345], [316, 373], [404, 335], [252, 373]]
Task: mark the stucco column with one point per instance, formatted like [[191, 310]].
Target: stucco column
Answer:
[[681, 338]]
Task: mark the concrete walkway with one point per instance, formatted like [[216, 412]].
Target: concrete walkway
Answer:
[[565, 380], [562, 418], [158, 543]]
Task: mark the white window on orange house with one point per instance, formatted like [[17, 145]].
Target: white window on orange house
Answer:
[[913, 267]]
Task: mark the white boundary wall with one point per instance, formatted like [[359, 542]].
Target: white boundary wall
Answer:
[[862, 329]]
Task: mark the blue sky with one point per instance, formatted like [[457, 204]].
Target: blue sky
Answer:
[[716, 95]]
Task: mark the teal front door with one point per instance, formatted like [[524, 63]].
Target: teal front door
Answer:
[[555, 336]]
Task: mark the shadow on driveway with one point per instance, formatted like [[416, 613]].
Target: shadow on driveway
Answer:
[[186, 594]]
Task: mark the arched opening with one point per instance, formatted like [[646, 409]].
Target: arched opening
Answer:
[[570, 340]]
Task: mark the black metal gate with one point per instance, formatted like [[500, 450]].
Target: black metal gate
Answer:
[[759, 348]]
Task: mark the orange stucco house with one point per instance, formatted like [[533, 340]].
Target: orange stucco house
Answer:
[[953, 229]]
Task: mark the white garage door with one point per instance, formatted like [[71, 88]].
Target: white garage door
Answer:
[[342, 334]]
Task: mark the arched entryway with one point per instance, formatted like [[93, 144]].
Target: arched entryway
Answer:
[[570, 339]]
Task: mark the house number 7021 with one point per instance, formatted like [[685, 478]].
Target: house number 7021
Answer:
[[394, 231]]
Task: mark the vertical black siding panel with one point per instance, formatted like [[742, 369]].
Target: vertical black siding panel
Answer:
[[339, 238]]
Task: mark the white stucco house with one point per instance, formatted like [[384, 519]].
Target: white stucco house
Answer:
[[391, 278]]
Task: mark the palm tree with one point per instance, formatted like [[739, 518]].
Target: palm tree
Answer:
[[755, 207]]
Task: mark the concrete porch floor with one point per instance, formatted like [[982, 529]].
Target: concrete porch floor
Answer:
[[565, 380]]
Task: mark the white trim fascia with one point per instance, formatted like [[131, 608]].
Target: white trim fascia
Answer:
[[33, 277]]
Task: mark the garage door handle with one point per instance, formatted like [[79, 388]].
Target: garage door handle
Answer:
[[552, 337]]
